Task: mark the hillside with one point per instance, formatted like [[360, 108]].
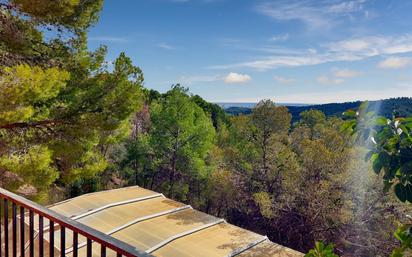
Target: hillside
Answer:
[[401, 106]]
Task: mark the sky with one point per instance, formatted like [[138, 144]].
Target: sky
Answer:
[[289, 51]]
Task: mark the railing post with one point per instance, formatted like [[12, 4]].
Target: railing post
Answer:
[[62, 241], [75, 244], [31, 233], [22, 224], [6, 228], [51, 239], [41, 236], [14, 229], [8, 199]]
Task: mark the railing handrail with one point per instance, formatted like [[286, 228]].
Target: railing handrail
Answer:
[[88, 232]]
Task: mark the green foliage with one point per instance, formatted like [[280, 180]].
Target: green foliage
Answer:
[[264, 202], [26, 92], [217, 114], [390, 153], [74, 14], [321, 250], [390, 148], [34, 166], [312, 117], [170, 153], [23, 22], [404, 235], [61, 108]]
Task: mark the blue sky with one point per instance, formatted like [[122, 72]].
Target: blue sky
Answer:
[[294, 51]]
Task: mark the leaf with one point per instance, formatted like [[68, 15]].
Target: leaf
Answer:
[[381, 121], [377, 165], [348, 126], [322, 250], [371, 155], [400, 192], [350, 114], [404, 129]]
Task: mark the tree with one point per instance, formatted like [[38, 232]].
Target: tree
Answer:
[[61, 106], [181, 135], [312, 117], [217, 114], [267, 122], [22, 23]]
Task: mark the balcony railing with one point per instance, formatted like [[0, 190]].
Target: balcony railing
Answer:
[[23, 221]]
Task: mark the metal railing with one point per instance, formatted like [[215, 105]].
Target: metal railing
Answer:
[[18, 220]]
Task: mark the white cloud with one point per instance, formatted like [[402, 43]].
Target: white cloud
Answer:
[[166, 46], [346, 50], [315, 14], [352, 45], [283, 37], [231, 78], [284, 80], [395, 63], [325, 80], [345, 73], [234, 77]]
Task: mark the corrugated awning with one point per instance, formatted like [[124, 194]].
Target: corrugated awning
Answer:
[[160, 226]]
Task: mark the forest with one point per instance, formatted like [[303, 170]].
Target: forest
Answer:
[[402, 106], [70, 123]]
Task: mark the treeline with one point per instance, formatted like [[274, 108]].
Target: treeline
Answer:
[[401, 107], [297, 184]]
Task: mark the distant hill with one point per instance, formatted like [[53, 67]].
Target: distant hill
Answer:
[[401, 106], [251, 105]]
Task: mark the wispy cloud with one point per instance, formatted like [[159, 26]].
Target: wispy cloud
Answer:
[[283, 37], [345, 73], [337, 76], [326, 80], [233, 78], [230, 78], [355, 49], [110, 39], [284, 80], [166, 46], [313, 13], [395, 63]]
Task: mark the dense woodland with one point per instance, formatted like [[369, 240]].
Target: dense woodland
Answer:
[[402, 106], [69, 125]]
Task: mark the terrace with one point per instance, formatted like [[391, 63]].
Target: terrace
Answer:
[[132, 222]]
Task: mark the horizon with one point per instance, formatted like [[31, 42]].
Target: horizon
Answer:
[[308, 104], [246, 51]]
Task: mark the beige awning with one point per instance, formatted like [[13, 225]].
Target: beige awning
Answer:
[[160, 226]]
